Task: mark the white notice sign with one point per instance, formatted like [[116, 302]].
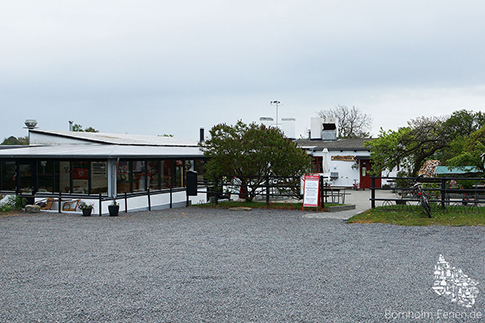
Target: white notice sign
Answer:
[[311, 190]]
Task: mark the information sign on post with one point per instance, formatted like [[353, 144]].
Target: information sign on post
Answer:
[[311, 191]]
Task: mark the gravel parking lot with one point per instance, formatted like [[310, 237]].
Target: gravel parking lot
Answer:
[[204, 265]]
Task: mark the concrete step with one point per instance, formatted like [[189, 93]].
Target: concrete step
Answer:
[[338, 208]]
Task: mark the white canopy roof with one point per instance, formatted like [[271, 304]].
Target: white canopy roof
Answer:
[[94, 151], [50, 137]]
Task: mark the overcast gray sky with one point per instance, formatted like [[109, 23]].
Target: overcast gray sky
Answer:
[[171, 67]]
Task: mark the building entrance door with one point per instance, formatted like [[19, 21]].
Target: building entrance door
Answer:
[[365, 177]]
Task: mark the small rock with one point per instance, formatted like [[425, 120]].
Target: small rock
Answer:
[[32, 208], [240, 208]]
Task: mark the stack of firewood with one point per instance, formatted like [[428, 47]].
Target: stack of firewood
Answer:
[[429, 167]]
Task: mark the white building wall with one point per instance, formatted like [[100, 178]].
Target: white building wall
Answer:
[[158, 201], [390, 182], [346, 174], [140, 203]]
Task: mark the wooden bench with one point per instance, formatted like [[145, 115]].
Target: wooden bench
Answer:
[[70, 205], [46, 204]]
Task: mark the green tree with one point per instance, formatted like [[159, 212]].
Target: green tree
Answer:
[[463, 123], [352, 123], [251, 150], [79, 128], [472, 151], [12, 140], [459, 127], [455, 140], [408, 147]]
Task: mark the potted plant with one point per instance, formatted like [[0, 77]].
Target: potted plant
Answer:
[[113, 209], [86, 208]]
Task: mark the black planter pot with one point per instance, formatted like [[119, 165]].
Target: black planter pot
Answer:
[[113, 210], [87, 212]]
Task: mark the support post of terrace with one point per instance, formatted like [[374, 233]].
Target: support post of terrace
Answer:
[[373, 193], [267, 191]]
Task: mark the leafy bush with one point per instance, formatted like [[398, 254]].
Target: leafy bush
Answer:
[[85, 206], [402, 182], [13, 203], [466, 183], [432, 190]]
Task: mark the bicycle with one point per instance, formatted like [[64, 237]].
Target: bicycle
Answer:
[[356, 185], [423, 199]]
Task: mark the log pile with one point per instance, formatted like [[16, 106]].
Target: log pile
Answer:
[[429, 167]]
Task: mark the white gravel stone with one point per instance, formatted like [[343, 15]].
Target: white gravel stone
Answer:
[[212, 265]]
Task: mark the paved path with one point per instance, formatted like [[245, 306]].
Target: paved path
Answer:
[[359, 198]]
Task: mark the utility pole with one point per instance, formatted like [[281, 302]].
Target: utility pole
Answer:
[[276, 103]]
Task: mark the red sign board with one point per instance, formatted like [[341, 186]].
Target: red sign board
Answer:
[[80, 173]]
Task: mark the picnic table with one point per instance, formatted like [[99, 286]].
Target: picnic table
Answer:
[[334, 194]]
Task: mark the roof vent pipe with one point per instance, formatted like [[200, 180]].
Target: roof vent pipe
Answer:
[[30, 124], [70, 125], [201, 137]]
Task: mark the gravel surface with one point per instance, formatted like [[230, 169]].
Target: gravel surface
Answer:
[[203, 265]]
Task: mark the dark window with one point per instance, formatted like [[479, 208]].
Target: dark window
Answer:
[[139, 176], [46, 176], [166, 174], [8, 175], [26, 184], [80, 177], [123, 177], [153, 174], [99, 177]]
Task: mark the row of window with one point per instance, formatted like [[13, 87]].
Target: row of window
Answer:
[[91, 177], [141, 175]]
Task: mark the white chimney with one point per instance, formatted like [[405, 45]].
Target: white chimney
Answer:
[[267, 121], [316, 128], [330, 129], [288, 127]]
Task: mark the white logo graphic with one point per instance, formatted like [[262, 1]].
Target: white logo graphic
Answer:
[[453, 284]]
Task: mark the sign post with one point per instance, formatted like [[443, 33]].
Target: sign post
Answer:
[[311, 191]]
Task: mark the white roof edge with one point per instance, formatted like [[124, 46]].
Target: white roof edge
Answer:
[[101, 151], [119, 139]]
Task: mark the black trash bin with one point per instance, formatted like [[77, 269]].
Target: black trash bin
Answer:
[[192, 183]]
